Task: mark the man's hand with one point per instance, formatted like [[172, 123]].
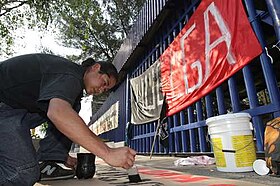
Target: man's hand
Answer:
[[68, 122], [71, 162], [121, 157]]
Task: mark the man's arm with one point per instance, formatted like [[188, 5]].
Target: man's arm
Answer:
[[71, 125]]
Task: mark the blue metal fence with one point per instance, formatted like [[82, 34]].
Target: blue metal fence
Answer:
[[254, 89], [187, 129]]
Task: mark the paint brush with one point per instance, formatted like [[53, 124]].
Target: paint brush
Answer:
[[133, 175]]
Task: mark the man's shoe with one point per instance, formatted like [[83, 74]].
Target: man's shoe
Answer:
[[51, 170]]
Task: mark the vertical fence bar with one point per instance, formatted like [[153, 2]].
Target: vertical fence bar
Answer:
[[274, 10], [269, 74], [234, 97], [183, 133], [143, 138], [220, 100], [209, 111], [170, 138], [253, 101], [153, 129], [127, 107], [148, 138], [191, 131], [137, 141], [176, 134], [201, 133], [209, 106], [142, 22]]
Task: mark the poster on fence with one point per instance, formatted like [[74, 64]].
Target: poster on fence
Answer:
[[108, 121], [216, 42], [146, 96]]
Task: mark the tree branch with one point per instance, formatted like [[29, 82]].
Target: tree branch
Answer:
[[100, 44], [121, 20], [10, 9]]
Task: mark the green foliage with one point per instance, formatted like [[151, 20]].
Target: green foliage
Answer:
[[97, 27], [43, 127], [16, 14]]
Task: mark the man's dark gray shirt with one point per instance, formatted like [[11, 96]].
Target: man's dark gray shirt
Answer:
[[30, 81]]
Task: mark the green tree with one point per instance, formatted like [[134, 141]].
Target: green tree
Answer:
[[97, 27], [16, 14], [103, 27]]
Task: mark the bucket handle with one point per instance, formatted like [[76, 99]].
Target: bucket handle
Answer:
[[225, 150]]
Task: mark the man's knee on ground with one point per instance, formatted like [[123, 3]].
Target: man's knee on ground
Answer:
[[21, 175]]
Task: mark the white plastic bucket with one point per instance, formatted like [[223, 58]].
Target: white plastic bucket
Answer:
[[232, 142]]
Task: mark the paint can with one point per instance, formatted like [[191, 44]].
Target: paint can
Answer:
[[232, 142]]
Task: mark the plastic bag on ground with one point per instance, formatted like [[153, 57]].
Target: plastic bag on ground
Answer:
[[195, 160]]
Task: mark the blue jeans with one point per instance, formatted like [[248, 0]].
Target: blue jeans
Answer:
[[18, 158]]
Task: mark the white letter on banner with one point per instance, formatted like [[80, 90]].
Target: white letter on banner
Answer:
[[146, 90], [150, 98], [139, 96], [196, 64], [176, 57], [226, 36], [157, 75]]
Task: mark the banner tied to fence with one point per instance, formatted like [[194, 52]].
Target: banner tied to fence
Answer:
[[146, 97], [216, 42]]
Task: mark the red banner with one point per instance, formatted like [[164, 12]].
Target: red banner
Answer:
[[216, 42]]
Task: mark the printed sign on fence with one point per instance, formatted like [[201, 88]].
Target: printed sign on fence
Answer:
[[108, 121]]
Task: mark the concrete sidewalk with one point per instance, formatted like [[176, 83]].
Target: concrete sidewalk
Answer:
[[162, 171]]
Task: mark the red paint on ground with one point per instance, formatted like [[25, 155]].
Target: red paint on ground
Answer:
[[222, 185], [170, 175]]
